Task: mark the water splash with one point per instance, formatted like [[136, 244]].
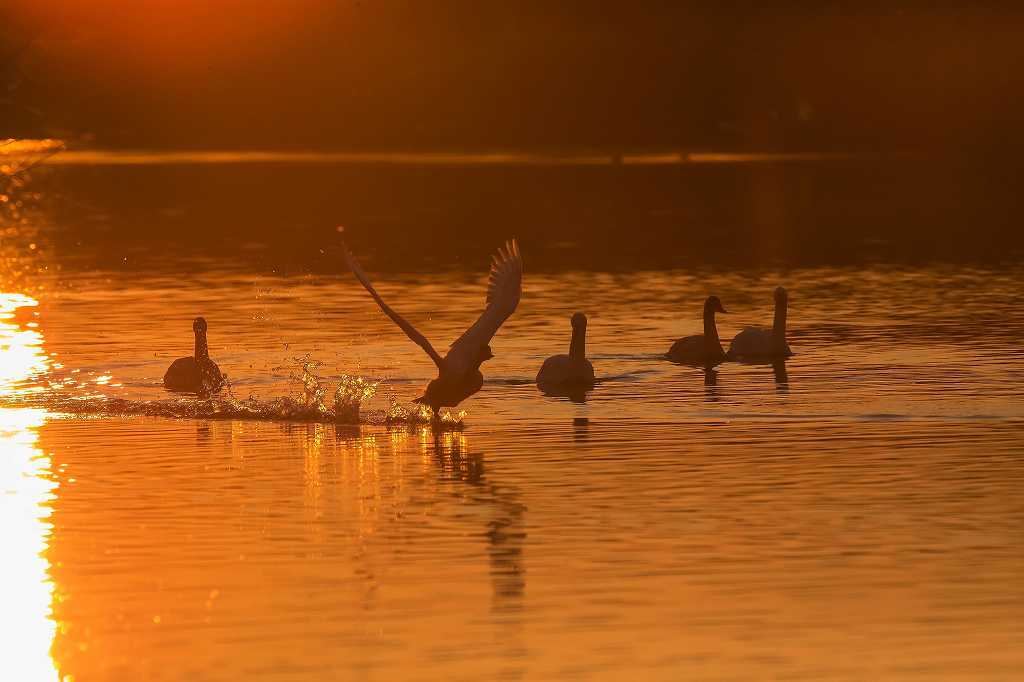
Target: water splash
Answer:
[[313, 388], [309, 404], [401, 414], [284, 408], [278, 409], [351, 393], [416, 413]]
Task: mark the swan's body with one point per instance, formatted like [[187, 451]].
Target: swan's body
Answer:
[[448, 390], [701, 349], [762, 344], [196, 374], [565, 370], [572, 370], [458, 372]]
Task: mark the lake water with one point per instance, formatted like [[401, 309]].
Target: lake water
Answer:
[[853, 515]]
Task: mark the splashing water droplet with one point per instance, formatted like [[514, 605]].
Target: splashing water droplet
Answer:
[[417, 414], [352, 391]]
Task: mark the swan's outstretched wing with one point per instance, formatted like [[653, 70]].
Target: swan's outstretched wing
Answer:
[[504, 289], [409, 330]]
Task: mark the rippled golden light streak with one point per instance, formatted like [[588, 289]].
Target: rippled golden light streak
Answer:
[[26, 491], [21, 349]]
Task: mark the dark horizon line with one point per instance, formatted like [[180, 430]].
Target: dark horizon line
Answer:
[[566, 157]]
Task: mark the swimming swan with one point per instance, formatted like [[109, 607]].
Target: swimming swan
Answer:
[[701, 349], [197, 374], [458, 372], [573, 369], [760, 344]]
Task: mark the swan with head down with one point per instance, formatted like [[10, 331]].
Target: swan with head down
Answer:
[[701, 349], [761, 344]]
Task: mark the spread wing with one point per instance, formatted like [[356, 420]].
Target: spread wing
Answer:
[[409, 330], [504, 289]]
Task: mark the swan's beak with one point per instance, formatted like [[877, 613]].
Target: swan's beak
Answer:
[[722, 309]]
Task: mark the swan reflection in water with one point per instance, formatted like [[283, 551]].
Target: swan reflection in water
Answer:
[[580, 429], [575, 394], [712, 392], [779, 372], [504, 532], [781, 376]]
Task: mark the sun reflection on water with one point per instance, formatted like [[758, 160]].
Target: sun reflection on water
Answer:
[[26, 490], [21, 349], [26, 591]]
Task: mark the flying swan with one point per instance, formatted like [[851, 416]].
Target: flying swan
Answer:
[[458, 372]]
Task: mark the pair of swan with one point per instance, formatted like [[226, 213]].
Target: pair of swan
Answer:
[[751, 344]]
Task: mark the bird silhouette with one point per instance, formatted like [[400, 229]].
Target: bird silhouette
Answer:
[[701, 349], [761, 344], [570, 370], [458, 372], [196, 374]]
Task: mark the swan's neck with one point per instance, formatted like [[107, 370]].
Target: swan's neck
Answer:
[[779, 326], [578, 344], [202, 352], [711, 331]]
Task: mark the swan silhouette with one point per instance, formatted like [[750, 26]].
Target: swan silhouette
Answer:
[[701, 349], [760, 344], [458, 372], [570, 370], [196, 374]]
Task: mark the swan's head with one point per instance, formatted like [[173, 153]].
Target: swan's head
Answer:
[[713, 305], [579, 321], [199, 325], [781, 295]]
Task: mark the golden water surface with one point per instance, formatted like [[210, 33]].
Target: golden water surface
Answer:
[[853, 515]]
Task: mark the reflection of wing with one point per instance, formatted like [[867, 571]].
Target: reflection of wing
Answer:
[[409, 330], [503, 292]]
